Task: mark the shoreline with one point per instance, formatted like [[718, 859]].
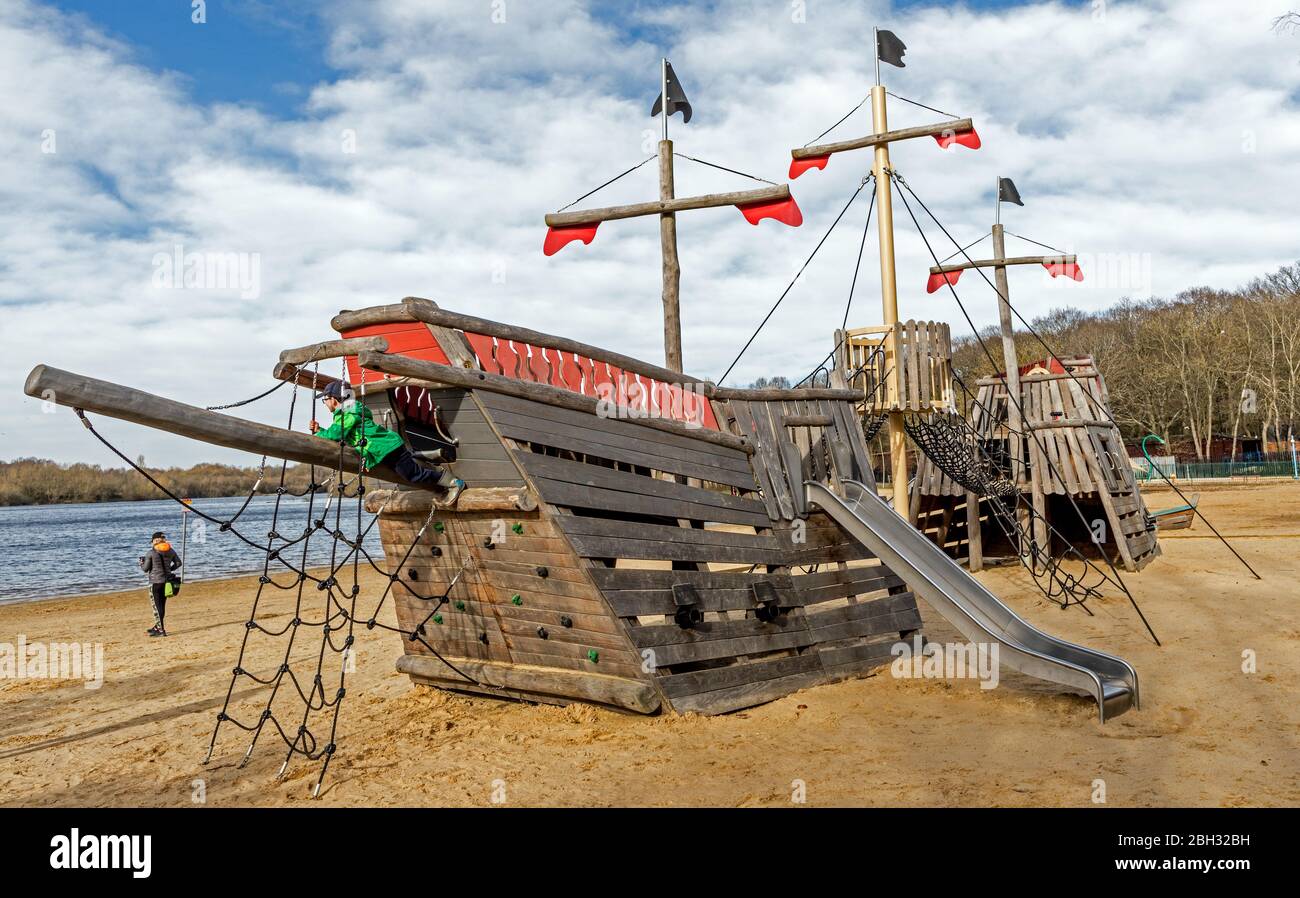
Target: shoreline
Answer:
[[1208, 732]]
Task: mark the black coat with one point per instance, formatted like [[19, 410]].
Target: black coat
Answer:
[[159, 564]]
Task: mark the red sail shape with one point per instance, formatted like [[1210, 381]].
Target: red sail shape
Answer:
[[965, 138], [938, 280], [785, 211], [558, 238], [799, 166], [1069, 269]]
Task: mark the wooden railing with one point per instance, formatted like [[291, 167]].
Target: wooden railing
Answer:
[[904, 367]]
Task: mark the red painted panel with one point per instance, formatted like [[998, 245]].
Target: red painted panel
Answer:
[[938, 280], [965, 138], [784, 211], [1069, 269], [482, 346], [558, 238], [799, 166]]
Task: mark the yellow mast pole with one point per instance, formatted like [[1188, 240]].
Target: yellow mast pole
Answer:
[[889, 300]]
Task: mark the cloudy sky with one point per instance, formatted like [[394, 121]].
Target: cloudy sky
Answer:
[[366, 151]]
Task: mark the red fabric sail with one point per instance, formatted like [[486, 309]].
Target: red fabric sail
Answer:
[[785, 211], [938, 280], [965, 138], [1069, 269], [558, 238], [799, 166]]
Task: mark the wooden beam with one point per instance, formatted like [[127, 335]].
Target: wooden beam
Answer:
[[333, 349], [534, 682], [419, 502], [672, 269], [957, 126], [351, 320], [496, 383], [661, 207], [808, 421], [777, 395], [996, 263], [424, 310], [138, 407], [305, 378]]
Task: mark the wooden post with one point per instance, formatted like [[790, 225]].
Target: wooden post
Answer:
[[1015, 421], [672, 269], [889, 300]]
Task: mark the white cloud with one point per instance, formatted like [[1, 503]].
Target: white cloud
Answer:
[[1125, 133]]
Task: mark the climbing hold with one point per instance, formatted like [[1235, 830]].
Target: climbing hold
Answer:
[[541, 631], [488, 544], [593, 656], [543, 572], [460, 606], [437, 618], [439, 526], [517, 528], [516, 599], [566, 621], [435, 551], [482, 637], [413, 574]]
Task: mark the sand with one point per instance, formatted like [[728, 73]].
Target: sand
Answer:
[[1208, 734]]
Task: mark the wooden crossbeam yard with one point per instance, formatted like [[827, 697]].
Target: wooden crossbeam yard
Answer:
[[1014, 260], [958, 126], [773, 194]]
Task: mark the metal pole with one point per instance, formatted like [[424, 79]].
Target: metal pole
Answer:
[[663, 96], [876, 32]]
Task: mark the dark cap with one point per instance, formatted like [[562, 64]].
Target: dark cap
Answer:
[[158, 534], [336, 389]]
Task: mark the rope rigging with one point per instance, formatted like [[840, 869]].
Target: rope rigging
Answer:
[[795, 279], [1097, 405], [1016, 400], [337, 616]]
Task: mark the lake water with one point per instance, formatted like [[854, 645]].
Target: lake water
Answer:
[[53, 550]]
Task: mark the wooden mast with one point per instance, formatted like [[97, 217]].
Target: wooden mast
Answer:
[[672, 269], [1011, 363], [889, 296]]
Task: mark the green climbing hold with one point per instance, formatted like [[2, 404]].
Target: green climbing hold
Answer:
[[516, 599], [438, 526], [460, 606], [437, 618], [517, 528], [593, 656]]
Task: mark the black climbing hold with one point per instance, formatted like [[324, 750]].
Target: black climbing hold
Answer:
[[482, 637], [488, 544], [436, 552], [566, 621], [543, 572], [541, 632], [413, 574]]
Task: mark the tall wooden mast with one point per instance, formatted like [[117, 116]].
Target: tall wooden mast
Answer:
[[672, 269]]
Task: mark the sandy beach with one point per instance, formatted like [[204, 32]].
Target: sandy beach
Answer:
[[1208, 733]]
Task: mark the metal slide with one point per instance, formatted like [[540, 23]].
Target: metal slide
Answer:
[[971, 608]]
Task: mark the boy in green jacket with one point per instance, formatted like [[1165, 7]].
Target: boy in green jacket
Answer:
[[354, 426]]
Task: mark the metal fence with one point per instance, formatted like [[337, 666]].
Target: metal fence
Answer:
[[1253, 466]]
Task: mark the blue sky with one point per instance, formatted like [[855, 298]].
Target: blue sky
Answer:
[[359, 151]]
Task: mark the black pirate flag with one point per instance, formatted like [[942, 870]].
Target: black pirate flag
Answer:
[[676, 97], [1007, 192], [890, 49]]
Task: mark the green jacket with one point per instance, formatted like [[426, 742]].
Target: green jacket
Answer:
[[350, 422]]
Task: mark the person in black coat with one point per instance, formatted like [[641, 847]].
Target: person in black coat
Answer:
[[159, 564]]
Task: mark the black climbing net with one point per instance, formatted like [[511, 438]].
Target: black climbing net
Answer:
[[325, 606]]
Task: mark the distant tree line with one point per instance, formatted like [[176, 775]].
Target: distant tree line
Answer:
[[39, 481], [1203, 370]]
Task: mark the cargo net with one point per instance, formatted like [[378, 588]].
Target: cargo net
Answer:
[[953, 445], [949, 442], [304, 691]]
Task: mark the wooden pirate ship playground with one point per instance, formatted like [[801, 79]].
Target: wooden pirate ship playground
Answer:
[[638, 538]]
